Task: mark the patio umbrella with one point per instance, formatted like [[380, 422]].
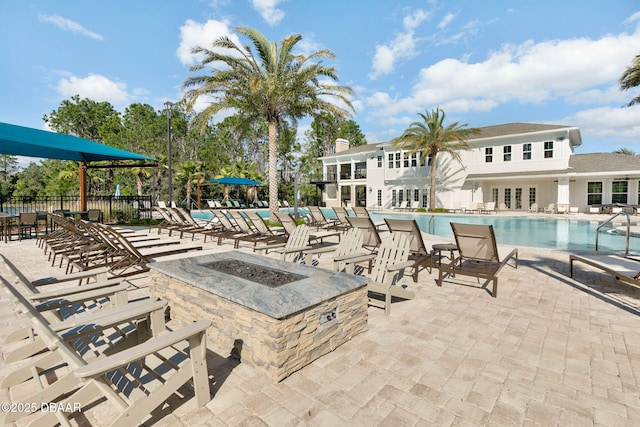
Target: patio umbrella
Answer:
[[117, 191]]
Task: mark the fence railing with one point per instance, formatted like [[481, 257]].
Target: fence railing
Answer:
[[114, 209]]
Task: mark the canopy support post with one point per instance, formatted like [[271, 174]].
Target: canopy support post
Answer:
[[83, 186]]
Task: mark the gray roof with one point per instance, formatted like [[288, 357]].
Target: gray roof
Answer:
[[485, 132], [603, 162], [355, 150], [579, 164], [515, 129]]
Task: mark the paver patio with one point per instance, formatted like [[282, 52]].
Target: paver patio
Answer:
[[549, 350]]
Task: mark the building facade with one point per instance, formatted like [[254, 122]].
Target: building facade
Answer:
[[518, 166]]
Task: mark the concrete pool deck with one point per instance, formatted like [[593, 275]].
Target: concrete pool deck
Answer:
[[549, 350]]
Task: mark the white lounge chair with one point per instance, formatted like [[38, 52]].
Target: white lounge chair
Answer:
[[624, 269]]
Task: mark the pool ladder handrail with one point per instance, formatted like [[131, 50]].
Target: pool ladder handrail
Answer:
[[611, 219], [431, 227]]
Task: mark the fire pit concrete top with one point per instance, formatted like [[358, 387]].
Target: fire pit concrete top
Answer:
[[316, 286]]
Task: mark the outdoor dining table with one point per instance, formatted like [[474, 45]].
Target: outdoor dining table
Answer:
[[7, 221]]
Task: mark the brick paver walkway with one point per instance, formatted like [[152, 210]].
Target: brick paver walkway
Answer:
[[548, 351]]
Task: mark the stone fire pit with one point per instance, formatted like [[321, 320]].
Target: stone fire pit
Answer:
[[274, 315]]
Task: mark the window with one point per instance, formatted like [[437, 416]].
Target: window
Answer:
[[361, 170], [379, 197], [414, 160], [429, 158], [619, 191], [506, 150], [393, 197], [507, 197], [390, 160], [406, 160], [548, 149], [594, 193], [532, 196], [488, 154], [518, 198], [494, 195], [398, 160], [400, 196], [379, 161], [425, 199], [416, 195], [526, 151]]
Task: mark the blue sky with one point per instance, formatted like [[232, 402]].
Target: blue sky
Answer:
[[484, 62]]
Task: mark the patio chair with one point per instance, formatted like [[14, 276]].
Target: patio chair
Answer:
[[350, 245], [388, 268], [94, 215], [490, 207], [135, 381], [457, 207], [551, 208], [360, 211], [341, 215], [319, 219], [478, 254], [402, 206], [533, 208], [420, 255], [289, 224], [27, 224], [370, 234], [623, 269], [296, 244]]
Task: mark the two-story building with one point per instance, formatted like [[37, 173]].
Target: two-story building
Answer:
[[514, 165]]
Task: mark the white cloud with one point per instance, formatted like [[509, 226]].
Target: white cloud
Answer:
[[615, 126], [194, 34], [444, 22], [403, 45], [269, 11], [96, 87], [567, 71], [68, 25]]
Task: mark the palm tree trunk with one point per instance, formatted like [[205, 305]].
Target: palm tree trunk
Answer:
[[273, 169]]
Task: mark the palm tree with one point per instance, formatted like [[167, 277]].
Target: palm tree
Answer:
[[190, 171], [140, 173], [430, 137], [272, 84], [627, 151], [631, 79]]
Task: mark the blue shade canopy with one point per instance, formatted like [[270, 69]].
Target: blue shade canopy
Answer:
[[23, 141], [234, 181]]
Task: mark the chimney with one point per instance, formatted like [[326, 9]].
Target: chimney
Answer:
[[341, 145]]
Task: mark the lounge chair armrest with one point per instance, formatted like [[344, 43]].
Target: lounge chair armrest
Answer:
[[400, 266], [52, 304], [322, 250], [272, 246], [291, 250], [74, 290], [356, 259], [98, 273], [122, 358]]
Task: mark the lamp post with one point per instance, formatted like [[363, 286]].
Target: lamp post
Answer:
[[168, 105]]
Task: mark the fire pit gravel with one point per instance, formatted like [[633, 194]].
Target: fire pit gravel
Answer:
[[256, 273]]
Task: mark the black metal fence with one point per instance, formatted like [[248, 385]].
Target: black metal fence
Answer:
[[114, 209]]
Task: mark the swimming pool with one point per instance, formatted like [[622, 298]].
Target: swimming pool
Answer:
[[537, 231]]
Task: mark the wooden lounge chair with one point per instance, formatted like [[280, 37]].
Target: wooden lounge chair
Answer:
[[135, 381], [388, 268], [478, 254], [420, 255], [626, 270], [296, 244], [289, 224], [350, 245]]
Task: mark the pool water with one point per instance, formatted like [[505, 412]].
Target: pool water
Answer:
[[543, 232]]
